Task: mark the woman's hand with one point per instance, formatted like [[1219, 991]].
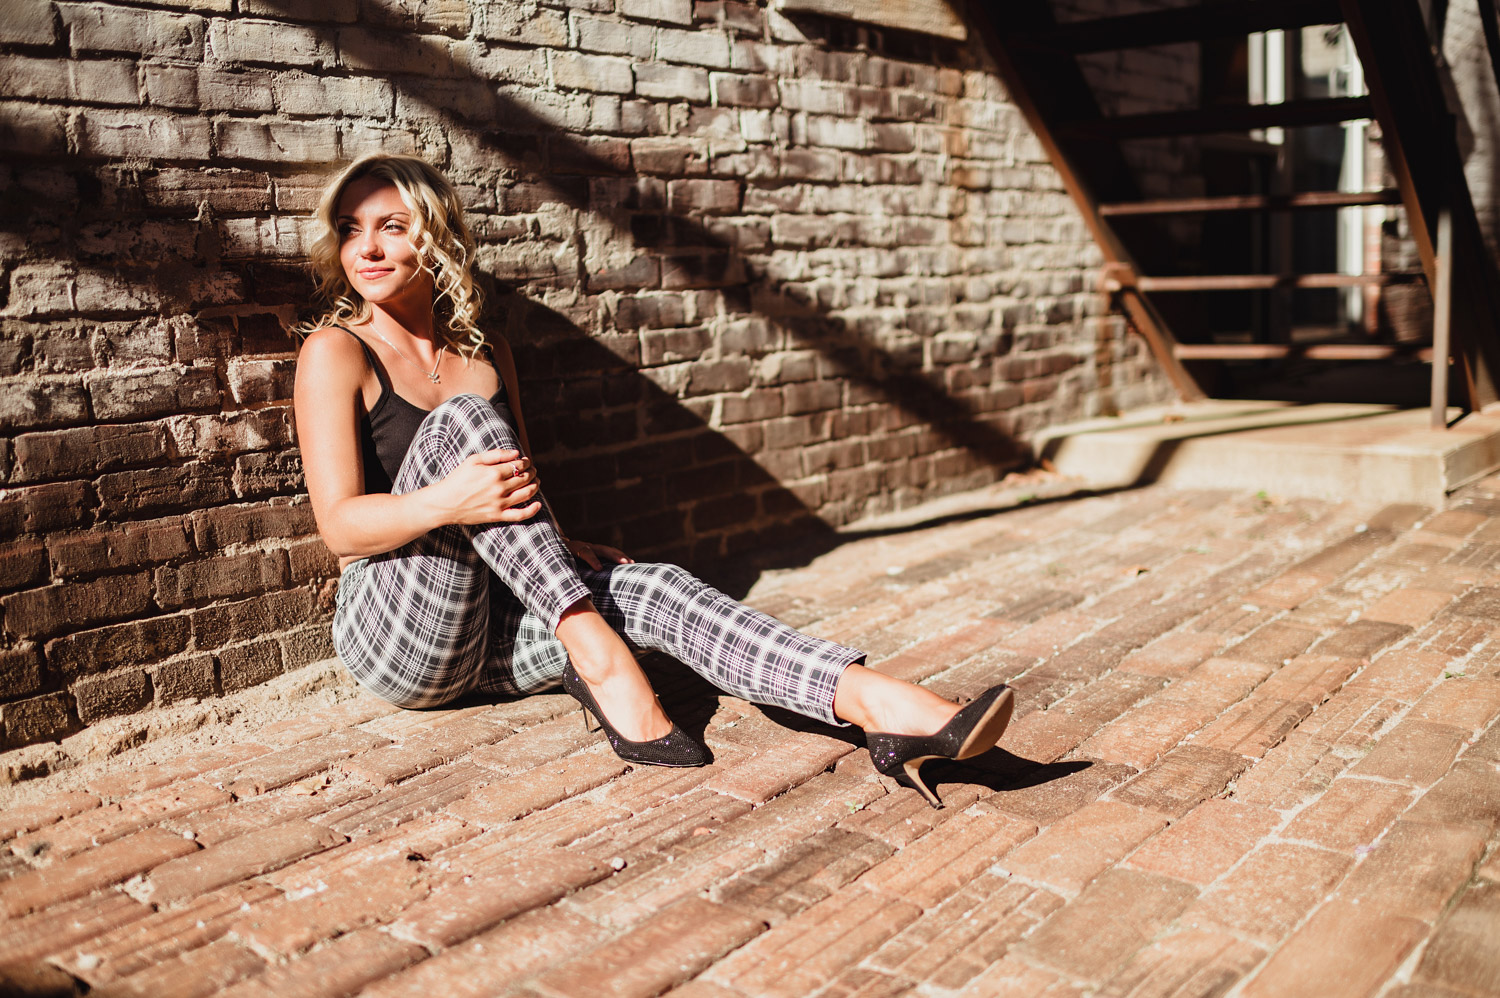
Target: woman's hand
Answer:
[[597, 554], [497, 486]]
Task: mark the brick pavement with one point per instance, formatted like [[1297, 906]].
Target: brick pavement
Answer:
[[1255, 751]]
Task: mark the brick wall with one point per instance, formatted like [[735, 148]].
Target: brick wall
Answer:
[[762, 277]]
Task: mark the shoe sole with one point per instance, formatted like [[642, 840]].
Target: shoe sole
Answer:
[[990, 727]]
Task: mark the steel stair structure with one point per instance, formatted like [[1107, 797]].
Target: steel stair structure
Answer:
[[1037, 57]]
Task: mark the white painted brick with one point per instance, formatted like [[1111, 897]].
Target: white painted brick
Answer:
[[222, 90], [671, 82], [26, 22], [277, 141], [32, 128], [104, 82], [38, 79], [260, 238], [826, 130], [523, 24], [172, 86], [602, 73], [306, 94], [671, 11], [699, 48], [359, 139], [142, 134], [394, 52], [501, 63], [210, 89], [341, 11], [102, 28], [594, 34], [570, 112], [269, 42], [815, 96]]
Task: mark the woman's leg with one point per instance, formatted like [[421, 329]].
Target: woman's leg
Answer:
[[533, 563], [738, 649]]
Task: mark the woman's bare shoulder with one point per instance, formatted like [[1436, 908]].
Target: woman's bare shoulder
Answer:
[[334, 354]]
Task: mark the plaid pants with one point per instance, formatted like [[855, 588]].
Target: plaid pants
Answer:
[[463, 608]]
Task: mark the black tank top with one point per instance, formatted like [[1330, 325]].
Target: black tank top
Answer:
[[386, 431]]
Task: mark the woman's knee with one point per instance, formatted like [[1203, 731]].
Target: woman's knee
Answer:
[[467, 413]]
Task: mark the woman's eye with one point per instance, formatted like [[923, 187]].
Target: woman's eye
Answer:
[[394, 227]]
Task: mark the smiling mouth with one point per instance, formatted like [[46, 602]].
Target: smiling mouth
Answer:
[[375, 273]]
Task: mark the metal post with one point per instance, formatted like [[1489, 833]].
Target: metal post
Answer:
[[1442, 311]]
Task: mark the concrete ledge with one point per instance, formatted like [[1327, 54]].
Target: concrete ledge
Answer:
[[1323, 451]]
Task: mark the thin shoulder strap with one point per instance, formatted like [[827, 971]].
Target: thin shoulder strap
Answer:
[[385, 383]]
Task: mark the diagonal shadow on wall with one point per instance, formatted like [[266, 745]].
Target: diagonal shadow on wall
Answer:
[[565, 159], [632, 451]]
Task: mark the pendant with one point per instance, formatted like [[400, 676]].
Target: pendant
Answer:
[[435, 379]]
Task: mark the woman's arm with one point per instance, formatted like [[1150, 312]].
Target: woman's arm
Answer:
[[328, 402], [505, 366]]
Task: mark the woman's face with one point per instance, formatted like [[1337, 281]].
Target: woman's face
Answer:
[[378, 257]]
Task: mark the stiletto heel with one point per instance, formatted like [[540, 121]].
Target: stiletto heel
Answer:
[[672, 749], [974, 729], [589, 724]]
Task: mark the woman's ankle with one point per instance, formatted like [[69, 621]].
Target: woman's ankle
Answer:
[[884, 704]]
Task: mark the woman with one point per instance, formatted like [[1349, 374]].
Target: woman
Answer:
[[455, 575]]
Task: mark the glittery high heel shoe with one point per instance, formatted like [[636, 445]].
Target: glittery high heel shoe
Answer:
[[675, 748], [973, 730]]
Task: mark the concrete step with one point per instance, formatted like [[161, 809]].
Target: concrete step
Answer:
[[1323, 451]]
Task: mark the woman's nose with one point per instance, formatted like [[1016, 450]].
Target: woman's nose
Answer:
[[367, 245]]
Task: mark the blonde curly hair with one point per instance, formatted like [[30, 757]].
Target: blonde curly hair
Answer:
[[437, 232]]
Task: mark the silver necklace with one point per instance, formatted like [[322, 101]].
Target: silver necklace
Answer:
[[431, 375]]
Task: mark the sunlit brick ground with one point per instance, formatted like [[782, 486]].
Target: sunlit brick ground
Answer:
[[1254, 749]]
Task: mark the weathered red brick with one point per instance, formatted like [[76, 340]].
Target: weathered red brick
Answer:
[[1343, 950], [367, 895], [1184, 777], [511, 797], [425, 794], [795, 760], [1289, 590], [1270, 892], [1114, 917], [674, 946], [458, 911], [940, 862], [112, 821], [1186, 962], [1460, 955], [161, 936], [79, 875], [1467, 704], [1415, 870], [237, 859], [341, 967], [1414, 752], [1173, 655], [804, 953], [521, 946], [1403, 674], [1350, 814], [198, 973], [1254, 725], [277, 769], [1208, 841], [802, 875], [1082, 845], [220, 578], [54, 609], [28, 939], [954, 943], [51, 809]]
